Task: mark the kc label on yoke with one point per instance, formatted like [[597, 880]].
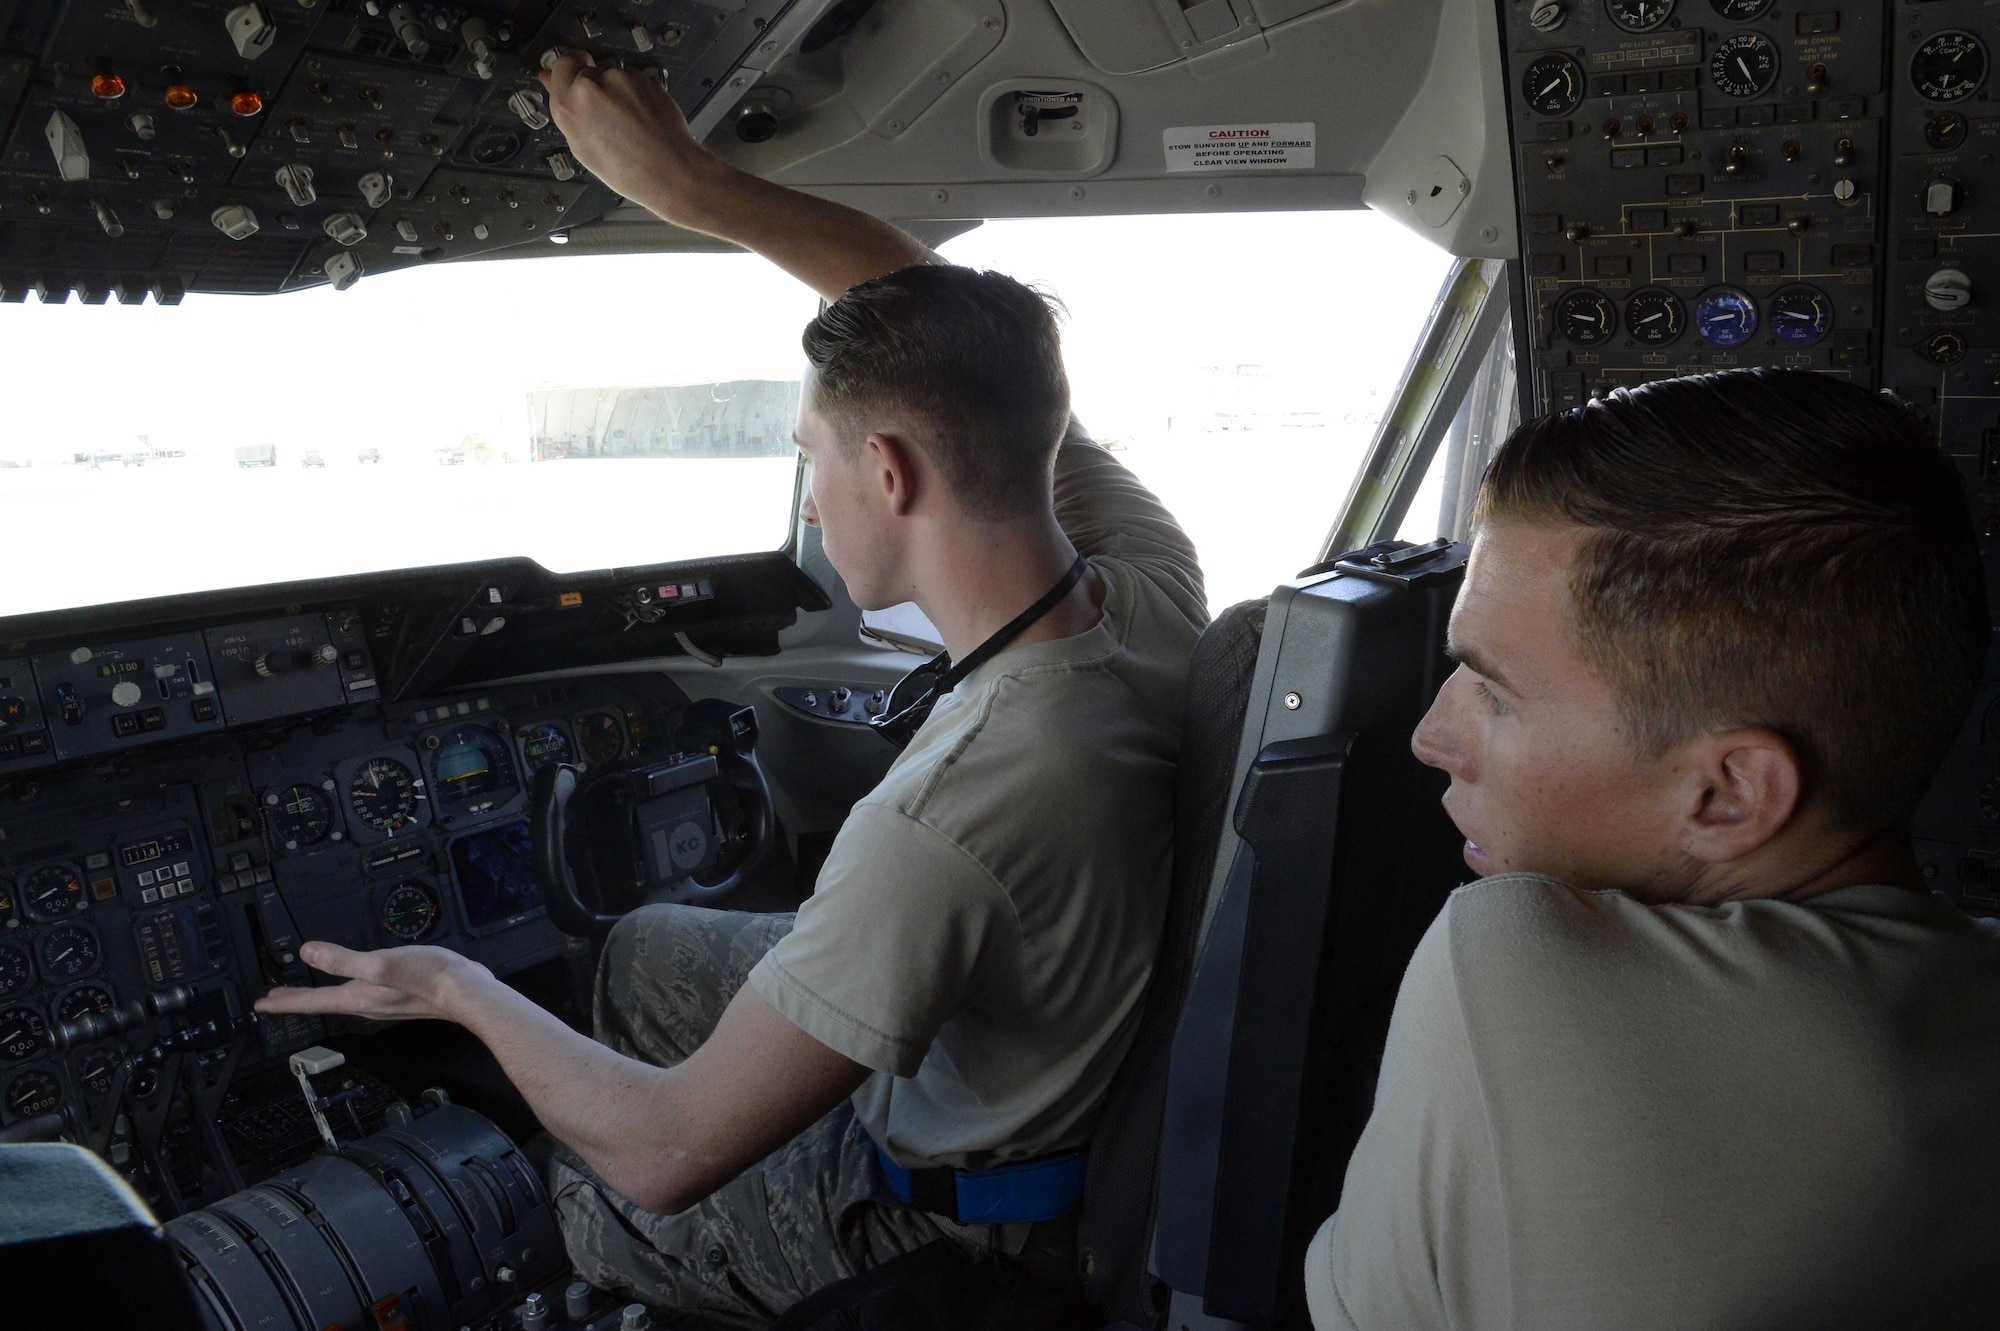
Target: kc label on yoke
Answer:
[[1287, 147]]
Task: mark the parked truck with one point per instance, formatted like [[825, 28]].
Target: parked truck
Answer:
[[257, 455]]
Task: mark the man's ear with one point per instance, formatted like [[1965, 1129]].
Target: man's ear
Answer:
[[891, 464], [1743, 787]]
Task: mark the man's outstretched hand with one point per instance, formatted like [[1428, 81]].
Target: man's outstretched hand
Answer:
[[629, 133], [391, 985]]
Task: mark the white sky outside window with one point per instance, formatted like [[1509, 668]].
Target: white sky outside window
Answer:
[[1240, 363]]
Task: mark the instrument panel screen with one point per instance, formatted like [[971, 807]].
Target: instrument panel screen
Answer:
[[496, 876]]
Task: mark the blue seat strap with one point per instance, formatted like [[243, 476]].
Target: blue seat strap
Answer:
[[1027, 1193]]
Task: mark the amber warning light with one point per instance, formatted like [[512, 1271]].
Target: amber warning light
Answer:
[[181, 97], [246, 103], [108, 86]]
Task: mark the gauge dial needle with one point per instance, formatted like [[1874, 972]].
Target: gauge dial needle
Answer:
[[1651, 318], [1744, 65], [1554, 83], [61, 957], [1591, 318]]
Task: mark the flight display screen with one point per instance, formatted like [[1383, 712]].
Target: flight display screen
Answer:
[[496, 876]]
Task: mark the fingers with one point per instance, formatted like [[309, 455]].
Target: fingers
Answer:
[[337, 960], [565, 70], [355, 998]]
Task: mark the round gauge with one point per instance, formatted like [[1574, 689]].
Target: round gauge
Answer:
[[1739, 11], [23, 1034], [8, 918], [1945, 131], [543, 744], [96, 1069], [409, 912], [1800, 315], [1744, 65], [384, 795], [1553, 85], [1639, 15], [15, 973], [68, 952], [1655, 316], [1585, 318], [1949, 66], [1946, 348], [601, 736], [33, 1092], [1725, 316], [52, 892], [300, 815], [87, 1000], [471, 762]]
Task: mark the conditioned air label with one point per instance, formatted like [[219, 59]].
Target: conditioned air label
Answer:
[[1287, 147]]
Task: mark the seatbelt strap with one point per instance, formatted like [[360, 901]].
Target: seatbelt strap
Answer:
[[1023, 1194]]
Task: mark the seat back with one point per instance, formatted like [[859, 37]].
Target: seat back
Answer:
[[1116, 1225], [1335, 857]]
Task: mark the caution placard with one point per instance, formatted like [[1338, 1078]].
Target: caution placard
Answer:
[[1287, 147]]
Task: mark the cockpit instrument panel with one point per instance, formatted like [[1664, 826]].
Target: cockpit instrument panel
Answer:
[[172, 147], [1705, 184], [144, 905]]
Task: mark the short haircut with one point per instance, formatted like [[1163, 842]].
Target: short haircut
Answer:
[[975, 355], [1768, 548]]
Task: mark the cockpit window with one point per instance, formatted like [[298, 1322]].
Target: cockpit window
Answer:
[[586, 412], [1240, 362]]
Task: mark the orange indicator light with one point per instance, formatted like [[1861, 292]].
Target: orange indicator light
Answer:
[[246, 103], [108, 86], [181, 97]]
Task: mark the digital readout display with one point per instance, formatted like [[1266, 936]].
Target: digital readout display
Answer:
[[113, 668], [176, 842]]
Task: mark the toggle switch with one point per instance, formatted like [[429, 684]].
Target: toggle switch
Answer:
[[346, 228], [562, 166], [376, 187], [408, 231], [66, 142], [296, 180], [107, 219], [479, 40], [343, 270], [409, 29], [143, 124], [235, 221], [251, 29]]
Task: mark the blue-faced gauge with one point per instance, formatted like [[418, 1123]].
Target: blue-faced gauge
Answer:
[[68, 952], [1801, 315], [15, 972], [1725, 316], [23, 1034]]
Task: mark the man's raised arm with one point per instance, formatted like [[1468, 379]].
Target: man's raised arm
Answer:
[[631, 135]]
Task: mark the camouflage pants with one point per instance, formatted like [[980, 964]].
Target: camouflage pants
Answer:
[[813, 1212]]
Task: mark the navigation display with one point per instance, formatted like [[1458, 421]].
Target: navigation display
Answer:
[[496, 876]]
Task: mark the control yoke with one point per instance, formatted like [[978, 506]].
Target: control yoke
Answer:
[[693, 828]]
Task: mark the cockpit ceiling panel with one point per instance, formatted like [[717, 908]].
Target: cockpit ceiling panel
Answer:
[[214, 145]]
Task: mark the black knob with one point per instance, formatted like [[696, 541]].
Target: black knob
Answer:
[[268, 664], [757, 122], [13, 711]]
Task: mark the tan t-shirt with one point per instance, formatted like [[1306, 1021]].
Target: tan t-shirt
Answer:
[[1595, 1113], [985, 926]]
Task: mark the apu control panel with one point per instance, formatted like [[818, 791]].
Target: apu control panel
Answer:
[[254, 146], [1705, 184]]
